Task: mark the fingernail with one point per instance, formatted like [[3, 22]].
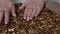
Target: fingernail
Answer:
[[30, 18], [14, 15], [27, 19], [24, 18], [35, 15], [5, 22], [19, 7]]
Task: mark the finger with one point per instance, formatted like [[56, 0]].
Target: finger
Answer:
[[33, 13], [13, 12], [1, 15], [21, 7], [37, 12], [29, 13], [6, 16], [25, 13]]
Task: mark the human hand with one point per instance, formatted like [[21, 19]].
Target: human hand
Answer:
[[6, 6], [33, 7]]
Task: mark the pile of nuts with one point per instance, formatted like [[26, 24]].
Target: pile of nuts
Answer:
[[47, 22]]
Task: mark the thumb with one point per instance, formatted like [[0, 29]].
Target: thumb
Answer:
[[22, 6]]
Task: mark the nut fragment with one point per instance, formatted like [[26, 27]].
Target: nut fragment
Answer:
[[43, 24], [11, 29]]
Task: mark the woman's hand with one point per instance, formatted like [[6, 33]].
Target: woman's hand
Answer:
[[6, 6], [33, 7]]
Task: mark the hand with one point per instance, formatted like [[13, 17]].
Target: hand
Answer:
[[33, 7], [6, 6]]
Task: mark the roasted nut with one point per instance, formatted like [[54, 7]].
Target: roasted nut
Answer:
[[45, 23], [11, 29]]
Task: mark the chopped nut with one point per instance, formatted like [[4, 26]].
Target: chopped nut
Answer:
[[11, 29], [43, 24], [13, 33]]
